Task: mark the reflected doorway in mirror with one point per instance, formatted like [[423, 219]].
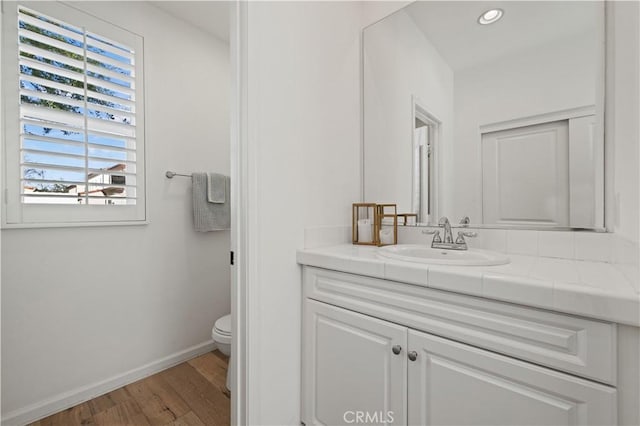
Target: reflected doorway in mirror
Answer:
[[425, 138]]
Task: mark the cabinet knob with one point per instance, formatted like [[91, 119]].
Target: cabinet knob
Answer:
[[413, 355], [396, 349]]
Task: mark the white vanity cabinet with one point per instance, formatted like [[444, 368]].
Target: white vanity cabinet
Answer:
[[370, 357]]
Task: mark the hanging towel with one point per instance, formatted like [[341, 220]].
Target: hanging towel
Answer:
[[216, 188], [209, 216]]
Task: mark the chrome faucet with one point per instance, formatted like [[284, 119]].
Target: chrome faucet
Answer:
[[447, 242], [448, 237]]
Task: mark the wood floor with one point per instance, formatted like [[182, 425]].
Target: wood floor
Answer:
[[190, 394]]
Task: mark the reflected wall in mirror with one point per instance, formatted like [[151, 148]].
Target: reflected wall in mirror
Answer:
[[500, 122]]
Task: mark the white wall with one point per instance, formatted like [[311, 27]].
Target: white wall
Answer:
[[304, 155], [540, 80], [82, 305], [399, 62]]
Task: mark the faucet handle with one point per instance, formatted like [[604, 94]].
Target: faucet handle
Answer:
[[443, 221], [435, 233], [462, 234], [465, 221]]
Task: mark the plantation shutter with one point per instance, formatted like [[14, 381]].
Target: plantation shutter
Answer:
[[79, 116]]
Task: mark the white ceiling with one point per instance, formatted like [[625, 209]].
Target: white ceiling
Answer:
[[452, 26], [210, 16]]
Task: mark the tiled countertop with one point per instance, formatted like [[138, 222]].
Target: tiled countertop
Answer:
[[591, 289]]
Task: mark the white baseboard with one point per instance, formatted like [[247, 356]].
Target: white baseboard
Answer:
[[74, 397]]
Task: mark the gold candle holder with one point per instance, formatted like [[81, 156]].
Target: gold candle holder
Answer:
[[387, 229], [404, 217], [364, 229], [374, 224]]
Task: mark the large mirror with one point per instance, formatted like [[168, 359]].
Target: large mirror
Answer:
[[500, 121]]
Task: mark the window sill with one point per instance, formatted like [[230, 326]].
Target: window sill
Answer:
[[73, 225]]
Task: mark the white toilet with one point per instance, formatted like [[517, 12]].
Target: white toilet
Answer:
[[221, 335]]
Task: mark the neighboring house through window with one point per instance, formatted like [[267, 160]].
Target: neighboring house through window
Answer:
[[74, 123]]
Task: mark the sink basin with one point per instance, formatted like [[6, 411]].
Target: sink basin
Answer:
[[426, 254]]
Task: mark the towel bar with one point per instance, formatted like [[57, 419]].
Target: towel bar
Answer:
[[170, 174]]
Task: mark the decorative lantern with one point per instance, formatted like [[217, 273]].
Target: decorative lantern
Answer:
[[364, 224], [407, 219], [387, 218], [374, 224]]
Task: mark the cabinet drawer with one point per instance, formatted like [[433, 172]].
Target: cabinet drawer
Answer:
[[573, 344]]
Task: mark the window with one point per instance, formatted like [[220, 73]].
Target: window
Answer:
[[74, 128]]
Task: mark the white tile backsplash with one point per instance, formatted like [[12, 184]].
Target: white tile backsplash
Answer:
[[625, 255], [473, 242], [578, 245], [593, 246], [493, 239], [623, 250], [413, 235], [556, 244], [632, 273], [522, 242]]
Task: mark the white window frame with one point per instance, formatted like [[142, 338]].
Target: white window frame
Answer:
[[15, 213]]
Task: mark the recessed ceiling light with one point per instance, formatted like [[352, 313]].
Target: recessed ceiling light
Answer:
[[490, 16]]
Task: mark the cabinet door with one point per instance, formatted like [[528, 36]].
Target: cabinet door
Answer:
[[455, 384], [350, 371]]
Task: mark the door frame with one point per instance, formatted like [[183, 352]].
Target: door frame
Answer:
[[420, 111], [242, 245]]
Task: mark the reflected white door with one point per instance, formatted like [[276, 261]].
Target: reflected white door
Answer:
[[525, 174], [421, 171], [455, 384], [350, 371]]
